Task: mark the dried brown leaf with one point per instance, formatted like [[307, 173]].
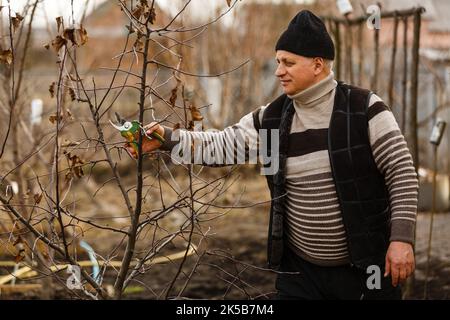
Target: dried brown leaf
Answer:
[[78, 171], [146, 12], [58, 43], [81, 36], [47, 46], [173, 96], [69, 34], [19, 256], [15, 21], [68, 176], [37, 198], [53, 118], [20, 247], [229, 3], [72, 94], [59, 22], [195, 114], [139, 44], [6, 56], [176, 126], [75, 166], [152, 15], [18, 240], [51, 89], [137, 13]]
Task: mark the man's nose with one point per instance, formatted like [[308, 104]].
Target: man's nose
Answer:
[[280, 71]]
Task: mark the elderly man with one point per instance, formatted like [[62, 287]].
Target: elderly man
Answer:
[[344, 197]]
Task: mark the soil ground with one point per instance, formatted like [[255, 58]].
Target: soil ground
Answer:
[[241, 235]]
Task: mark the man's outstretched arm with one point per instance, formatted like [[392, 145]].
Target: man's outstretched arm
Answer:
[[235, 144]]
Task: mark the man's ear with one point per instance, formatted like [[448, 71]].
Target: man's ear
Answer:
[[319, 65]]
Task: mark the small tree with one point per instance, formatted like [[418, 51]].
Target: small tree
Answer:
[[44, 224]]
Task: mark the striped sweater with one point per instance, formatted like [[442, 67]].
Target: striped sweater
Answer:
[[314, 225]]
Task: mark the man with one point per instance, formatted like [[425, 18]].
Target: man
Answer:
[[344, 198]]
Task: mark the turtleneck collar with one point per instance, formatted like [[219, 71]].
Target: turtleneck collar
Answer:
[[312, 96]]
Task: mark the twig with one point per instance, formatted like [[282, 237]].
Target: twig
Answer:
[[199, 75]]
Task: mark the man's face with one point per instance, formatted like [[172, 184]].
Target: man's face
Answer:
[[296, 73]]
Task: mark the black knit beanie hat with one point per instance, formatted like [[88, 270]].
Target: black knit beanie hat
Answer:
[[307, 36]]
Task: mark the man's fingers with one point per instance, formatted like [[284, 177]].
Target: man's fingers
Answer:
[[410, 269], [395, 273], [130, 150], [151, 127], [387, 268], [403, 274], [150, 131]]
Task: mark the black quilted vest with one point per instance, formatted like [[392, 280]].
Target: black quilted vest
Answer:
[[360, 187]]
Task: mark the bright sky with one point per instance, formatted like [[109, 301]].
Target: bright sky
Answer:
[[50, 9]]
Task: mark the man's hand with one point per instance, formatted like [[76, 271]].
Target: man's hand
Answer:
[[148, 145], [399, 262]]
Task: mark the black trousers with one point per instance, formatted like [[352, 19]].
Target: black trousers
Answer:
[[313, 282]]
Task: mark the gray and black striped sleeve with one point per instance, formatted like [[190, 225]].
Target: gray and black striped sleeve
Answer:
[[235, 144], [394, 160]]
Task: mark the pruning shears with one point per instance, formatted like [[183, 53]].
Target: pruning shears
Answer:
[[128, 130]]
